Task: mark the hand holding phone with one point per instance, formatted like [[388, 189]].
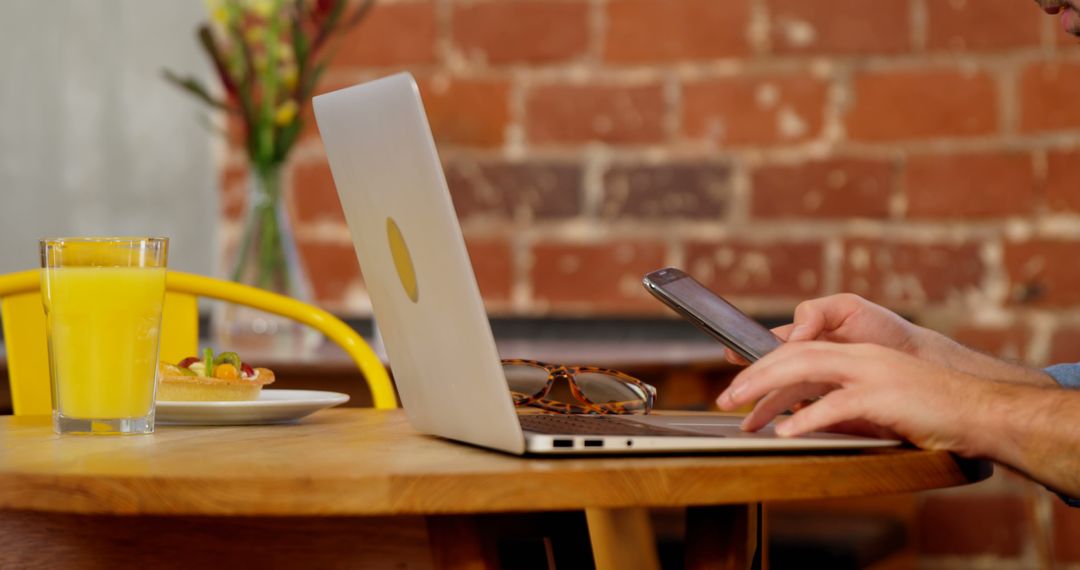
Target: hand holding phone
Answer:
[[711, 313]]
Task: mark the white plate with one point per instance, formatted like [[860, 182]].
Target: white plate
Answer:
[[272, 407]]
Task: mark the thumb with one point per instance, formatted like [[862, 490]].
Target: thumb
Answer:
[[808, 324]]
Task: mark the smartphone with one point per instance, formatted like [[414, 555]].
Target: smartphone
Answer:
[[711, 313]]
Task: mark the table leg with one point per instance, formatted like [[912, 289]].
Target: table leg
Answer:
[[458, 543], [730, 537], [622, 538]]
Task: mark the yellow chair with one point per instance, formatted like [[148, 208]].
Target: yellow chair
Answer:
[[27, 356]]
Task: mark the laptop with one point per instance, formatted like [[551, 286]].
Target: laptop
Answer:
[[430, 313]]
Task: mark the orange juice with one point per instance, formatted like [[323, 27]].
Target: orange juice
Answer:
[[103, 327]]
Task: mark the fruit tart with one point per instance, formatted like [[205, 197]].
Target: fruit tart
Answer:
[[211, 378]]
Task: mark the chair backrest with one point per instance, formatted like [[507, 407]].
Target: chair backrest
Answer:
[[27, 354]]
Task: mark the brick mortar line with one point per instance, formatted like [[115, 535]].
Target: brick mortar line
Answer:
[[993, 288], [758, 28], [898, 198], [569, 230], [517, 136], [1066, 139], [832, 265], [1040, 169], [310, 151], [683, 151], [1042, 518], [596, 162], [739, 209], [1009, 102], [767, 230], [1047, 35], [597, 28], [821, 145], [920, 25], [943, 232], [444, 33], [771, 231], [673, 109], [521, 292], [840, 95], [582, 71]]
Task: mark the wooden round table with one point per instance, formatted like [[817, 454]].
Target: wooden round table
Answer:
[[351, 482]]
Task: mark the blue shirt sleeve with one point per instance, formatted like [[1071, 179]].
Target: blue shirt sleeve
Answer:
[[1068, 375]]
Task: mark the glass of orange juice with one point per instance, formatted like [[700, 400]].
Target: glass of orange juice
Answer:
[[103, 299]]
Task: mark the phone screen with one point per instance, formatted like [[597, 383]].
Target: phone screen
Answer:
[[732, 326]]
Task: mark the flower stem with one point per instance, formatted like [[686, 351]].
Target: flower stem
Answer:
[[261, 258]]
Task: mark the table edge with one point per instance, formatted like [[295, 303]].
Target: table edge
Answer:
[[397, 495]]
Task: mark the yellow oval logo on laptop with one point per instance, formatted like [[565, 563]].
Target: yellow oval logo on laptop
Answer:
[[402, 260]]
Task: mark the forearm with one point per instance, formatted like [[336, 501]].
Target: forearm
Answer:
[[939, 348], [1031, 429]]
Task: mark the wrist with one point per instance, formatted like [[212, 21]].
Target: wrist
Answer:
[[997, 422], [980, 420], [934, 347]]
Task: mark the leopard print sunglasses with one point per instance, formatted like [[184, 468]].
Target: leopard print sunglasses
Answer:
[[586, 390]]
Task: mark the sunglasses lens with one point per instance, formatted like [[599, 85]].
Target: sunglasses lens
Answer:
[[604, 388], [525, 379]]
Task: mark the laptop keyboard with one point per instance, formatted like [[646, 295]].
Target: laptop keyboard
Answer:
[[553, 424]]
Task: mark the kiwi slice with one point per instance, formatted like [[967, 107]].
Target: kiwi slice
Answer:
[[229, 358], [208, 362]]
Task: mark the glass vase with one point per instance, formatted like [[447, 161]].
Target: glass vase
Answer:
[[266, 257]]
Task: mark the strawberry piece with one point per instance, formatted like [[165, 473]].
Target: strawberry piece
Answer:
[[187, 362], [246, 369]]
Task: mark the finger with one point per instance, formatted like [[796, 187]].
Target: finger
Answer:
[[780, 401], [783, 331], [734, 358], [795, 363], [738, 384], [725, 400], [862, 427], [817, 316], [837, 407]]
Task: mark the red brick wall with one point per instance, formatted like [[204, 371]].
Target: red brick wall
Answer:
[[918, 152]]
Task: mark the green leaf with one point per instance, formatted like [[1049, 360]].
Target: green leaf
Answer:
[[209, 43], [195, 88], [287, 138], [307, 88], [299, 38]]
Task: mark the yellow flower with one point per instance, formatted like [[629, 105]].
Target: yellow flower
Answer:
[[285, 51], [254, 35], [218, 13], [261, 8], [290, 77], [285, 113]]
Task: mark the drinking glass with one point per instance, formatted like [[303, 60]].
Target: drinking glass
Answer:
[[103, 299]]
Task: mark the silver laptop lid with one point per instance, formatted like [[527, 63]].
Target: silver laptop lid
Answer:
[[415, 265]]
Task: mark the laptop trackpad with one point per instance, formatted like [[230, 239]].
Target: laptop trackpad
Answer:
[[704, 424]]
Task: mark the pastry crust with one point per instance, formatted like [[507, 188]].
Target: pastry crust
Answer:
[[174, 387]]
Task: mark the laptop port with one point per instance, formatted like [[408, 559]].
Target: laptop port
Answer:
[[594, 443], [562, 443]]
